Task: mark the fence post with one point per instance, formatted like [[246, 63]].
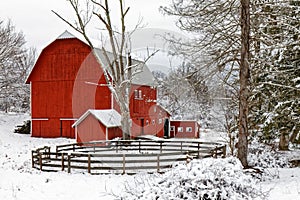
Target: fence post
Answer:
[[62, 161], [198, 154], [40, 161], [48, 152], [181, 147], [89, 163], [124, 170], [139, 146], [56, 151], [224, 151], [69, 163], [32, 159], [117, 145], [160, 147], [215, 152], [158, 164]]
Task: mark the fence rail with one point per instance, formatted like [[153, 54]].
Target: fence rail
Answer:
[[122, 156]]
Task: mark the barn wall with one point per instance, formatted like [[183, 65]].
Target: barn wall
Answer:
[[142, 99], [114, 133], [90, 129], [65, 83], [185, 124], [66, 129]]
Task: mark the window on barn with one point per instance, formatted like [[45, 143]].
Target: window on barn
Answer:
[[172, 128], [189, 129], [147, 122], [180, 129], [136, 94], [153, 121], [140, 94], [160, 121]]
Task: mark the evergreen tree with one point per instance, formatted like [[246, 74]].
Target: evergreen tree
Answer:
[[275, 108]]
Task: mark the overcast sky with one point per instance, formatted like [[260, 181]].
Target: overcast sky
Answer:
[[41, 26]]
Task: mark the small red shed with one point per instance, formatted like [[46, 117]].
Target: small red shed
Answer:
[[184, 129], [98, 125]]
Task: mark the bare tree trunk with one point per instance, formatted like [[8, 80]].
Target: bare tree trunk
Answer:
[[125, 112], [125, 122], [284, 140], [244, 83], [295, 134]]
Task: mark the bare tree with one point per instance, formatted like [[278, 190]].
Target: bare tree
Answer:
[[120, 69], [222, 45], [15, 62]]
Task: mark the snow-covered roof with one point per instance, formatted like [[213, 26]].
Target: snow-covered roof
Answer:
[[108, 117], [66, 35], [142, 74]]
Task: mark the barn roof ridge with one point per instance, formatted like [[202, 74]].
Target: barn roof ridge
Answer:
[[143, 75], [66, 35]]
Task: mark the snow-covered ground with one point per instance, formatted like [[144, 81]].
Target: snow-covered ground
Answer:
[[19, 181]]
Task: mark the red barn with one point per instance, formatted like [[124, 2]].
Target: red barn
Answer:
[[68, 88]]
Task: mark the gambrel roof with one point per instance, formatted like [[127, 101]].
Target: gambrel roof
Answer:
[[142, 74]]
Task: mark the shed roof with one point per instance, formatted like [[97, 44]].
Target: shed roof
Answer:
[[108, 117]]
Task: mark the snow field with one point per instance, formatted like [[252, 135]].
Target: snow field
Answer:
[[209, 178]]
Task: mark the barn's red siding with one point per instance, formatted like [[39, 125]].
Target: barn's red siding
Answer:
[[90, 129], [114, 132], [63, 86], [189, 129]]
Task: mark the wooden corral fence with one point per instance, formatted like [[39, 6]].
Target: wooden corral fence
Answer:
[[121, 156]]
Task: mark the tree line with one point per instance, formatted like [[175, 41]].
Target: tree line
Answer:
[[252, 48]]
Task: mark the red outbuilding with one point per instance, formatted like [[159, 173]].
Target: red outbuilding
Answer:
[[98, 125], [184, 129], [68, 88]]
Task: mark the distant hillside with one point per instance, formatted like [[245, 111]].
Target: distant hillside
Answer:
[[159, 68]]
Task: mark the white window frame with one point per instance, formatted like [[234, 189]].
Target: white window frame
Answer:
[[180, 129], [189, 129], [160, 121], [136, 94]]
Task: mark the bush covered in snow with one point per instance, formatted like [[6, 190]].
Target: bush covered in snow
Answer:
[[264, 156], [200, 179]]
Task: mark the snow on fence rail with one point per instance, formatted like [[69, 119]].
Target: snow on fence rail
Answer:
[[120, 156]]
